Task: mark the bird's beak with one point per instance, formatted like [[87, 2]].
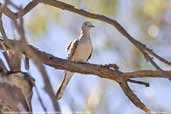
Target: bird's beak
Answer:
[[92, 26]]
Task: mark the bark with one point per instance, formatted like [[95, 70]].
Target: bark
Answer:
[[15, 92]]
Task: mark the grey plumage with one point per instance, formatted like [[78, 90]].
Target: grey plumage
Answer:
[[78, 50]]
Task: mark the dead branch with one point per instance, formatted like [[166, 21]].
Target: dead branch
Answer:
[[98, 70], [86, 68]]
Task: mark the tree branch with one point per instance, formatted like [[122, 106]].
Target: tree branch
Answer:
[[142, 47], [99, 70], [19, 14], [133, 97], [86, 68]]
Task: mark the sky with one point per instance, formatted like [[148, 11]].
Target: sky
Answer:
[[104, 95]]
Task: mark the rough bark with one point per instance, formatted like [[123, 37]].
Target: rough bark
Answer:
[[15, 92]]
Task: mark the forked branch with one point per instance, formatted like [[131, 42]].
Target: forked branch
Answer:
[[86, 68]]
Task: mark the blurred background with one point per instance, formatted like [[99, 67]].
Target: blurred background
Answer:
[[51, 29]]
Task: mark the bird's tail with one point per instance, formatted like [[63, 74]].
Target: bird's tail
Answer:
[[63, 85]]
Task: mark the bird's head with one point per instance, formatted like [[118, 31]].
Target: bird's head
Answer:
[[86, 26]]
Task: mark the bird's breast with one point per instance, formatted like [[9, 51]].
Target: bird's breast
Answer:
[[82, 51]]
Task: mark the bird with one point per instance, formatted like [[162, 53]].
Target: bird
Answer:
[[78, 50]]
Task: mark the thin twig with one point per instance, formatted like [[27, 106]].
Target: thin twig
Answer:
[[40, 99], [139, 82]]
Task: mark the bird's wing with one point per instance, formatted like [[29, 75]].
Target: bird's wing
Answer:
[[90, 55], [71, 48]]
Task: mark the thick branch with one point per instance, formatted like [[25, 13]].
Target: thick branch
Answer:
[[99, 70], [87, 68], [133, 97], [71, 8]]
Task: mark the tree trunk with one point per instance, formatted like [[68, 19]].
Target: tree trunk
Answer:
[[15, 93]]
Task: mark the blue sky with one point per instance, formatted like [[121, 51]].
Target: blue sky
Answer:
[[81, 87]]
